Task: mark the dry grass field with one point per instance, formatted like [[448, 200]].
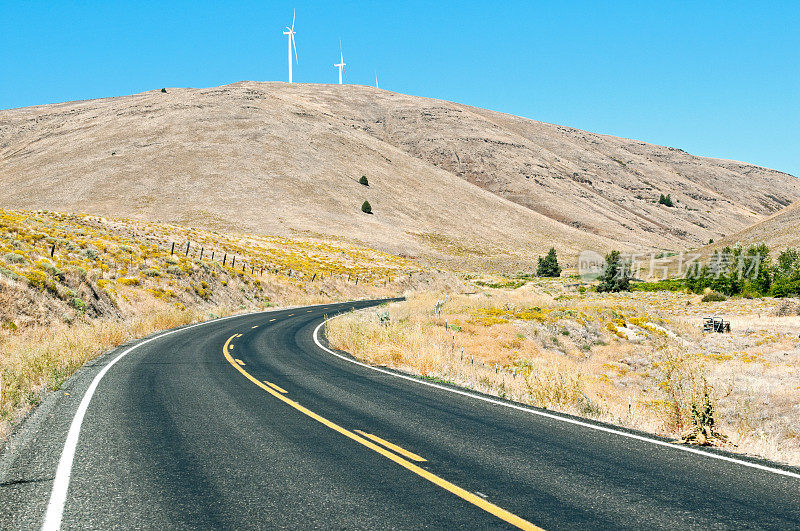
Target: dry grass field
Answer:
[[74, 286], [634, 359]]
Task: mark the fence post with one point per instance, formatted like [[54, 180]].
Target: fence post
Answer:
[[233, 261], [201, 252], [172, 251], [187, 248], [224, 258], [212, 256], [52, 250]]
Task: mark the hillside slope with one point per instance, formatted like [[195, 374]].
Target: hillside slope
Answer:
[[445, 179], [778, 231]]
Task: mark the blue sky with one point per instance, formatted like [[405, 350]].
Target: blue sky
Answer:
[[717, 79]]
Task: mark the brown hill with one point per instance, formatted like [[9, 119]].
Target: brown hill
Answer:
[[445, 179], [778, 231]]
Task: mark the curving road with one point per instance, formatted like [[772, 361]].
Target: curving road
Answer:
[[248, 422]]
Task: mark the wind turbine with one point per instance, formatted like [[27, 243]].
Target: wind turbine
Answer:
[[376, 80], [290, 33], [341, 63]]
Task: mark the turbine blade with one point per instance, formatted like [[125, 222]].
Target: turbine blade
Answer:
[[294, 12], [296, 60]]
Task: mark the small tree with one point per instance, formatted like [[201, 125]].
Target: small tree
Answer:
[[665, 200], [164, 90], [366, 208], [617, 274], [548, 266], [363, 180]]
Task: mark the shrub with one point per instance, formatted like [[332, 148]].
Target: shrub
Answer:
[[164, 90], [151, 272], [36, 279], [10, 274], [665, 200], [366, 208], [363, 180], [174, 270], [784, 287], [548, 266], [78, 304], [714, 296], [661, 285], [15, 258], [786, 308], [90, 253], [130, 281]]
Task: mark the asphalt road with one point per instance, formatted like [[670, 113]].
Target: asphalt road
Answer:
[[248, 423]]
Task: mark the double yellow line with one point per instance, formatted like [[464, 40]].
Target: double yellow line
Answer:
[[405, 463]]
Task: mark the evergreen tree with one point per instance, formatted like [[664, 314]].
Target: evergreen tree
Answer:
[[548, 266], [617, 274], [366, 208], [363, 180]]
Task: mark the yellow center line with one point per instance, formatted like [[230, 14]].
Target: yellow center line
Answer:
[[276, 387], [466, 495], [256, 326], [291, 314], [271, 320], [391, 446], [308, 311], [240, 362]]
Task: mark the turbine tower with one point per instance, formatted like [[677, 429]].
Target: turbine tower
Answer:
[[290, 32], [341, 63]]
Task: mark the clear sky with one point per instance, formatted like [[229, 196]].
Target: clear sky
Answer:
[[718, 79]]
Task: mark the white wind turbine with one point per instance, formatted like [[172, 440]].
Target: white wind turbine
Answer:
[[290, 33], [376, 80], [341, 63]]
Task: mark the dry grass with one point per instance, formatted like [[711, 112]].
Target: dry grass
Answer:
[[637, 359], [111, 280], [40, 359]]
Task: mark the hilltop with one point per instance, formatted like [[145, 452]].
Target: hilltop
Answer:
[[445, 180]]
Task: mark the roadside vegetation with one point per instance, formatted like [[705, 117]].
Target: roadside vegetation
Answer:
[[73, 286], [637, 359]]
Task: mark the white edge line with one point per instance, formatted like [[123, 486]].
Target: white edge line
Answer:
[[552, 416], [58, 495]]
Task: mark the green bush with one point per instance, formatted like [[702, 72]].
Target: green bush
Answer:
[[548, 266], [665, 200], [363, 180], [714, 296], [78, 304], [366, 207]]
